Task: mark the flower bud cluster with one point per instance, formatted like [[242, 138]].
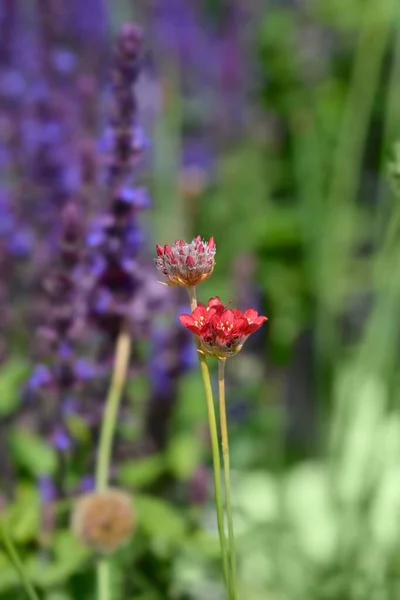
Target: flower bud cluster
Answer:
[[187, 264]]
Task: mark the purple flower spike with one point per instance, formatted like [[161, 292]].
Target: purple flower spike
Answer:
[[60, 439], [40, 378], [86, 484], [47, 489]]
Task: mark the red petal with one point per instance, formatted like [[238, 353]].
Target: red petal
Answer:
[[190, 261], [197, 239], [160, 250], [228, 315], [211, 243], [167, 250], [240, 327], [186, 319], [199, 311], [202, 306], [252, 327], [216, 303], [260, 320], [249, 328], [251, 314], [188, 322]]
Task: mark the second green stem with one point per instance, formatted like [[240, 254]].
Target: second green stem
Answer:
[[227, 479], [215, 452]]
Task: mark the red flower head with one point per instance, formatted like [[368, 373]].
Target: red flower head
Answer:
[[221, 331], [199, 321], [186, 264]]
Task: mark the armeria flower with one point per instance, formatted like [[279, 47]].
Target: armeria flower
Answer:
[[220, 330], [187, 264]]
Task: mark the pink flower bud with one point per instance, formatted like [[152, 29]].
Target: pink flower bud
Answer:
[[186, 264]]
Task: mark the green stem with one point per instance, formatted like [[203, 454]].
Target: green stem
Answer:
[[17, 563], [103, 579], [215, 451], [121, 362], [225, 456]]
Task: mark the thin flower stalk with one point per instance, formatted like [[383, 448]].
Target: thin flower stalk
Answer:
[[227, 480], [121, 363], [122, 354], [215, 451], [17, 563]]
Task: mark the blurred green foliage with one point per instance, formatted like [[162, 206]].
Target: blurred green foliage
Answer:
[[304, 193]]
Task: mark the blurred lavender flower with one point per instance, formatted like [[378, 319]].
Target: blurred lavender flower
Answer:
[[48, 495], [15, 237], [122, 286], [86, 484], [47, 490], [7, 29], [60, 379], [60, 439]]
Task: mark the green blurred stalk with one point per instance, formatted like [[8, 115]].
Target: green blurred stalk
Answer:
[[16, 562], [338, 233], [108, 426], [227, 477], [378, 348], [205, 373], [391, 129]]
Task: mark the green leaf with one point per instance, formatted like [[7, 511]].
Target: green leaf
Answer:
[[8, 576], [308, 501], [192, 404], [22, 517], [204, 544], [12, 373], [69, 558], [32, 453], [159, 519], [141, 472], [184, 454], [58, 595], [256, 497]]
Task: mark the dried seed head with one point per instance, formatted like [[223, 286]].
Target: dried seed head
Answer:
[[104, 520]]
